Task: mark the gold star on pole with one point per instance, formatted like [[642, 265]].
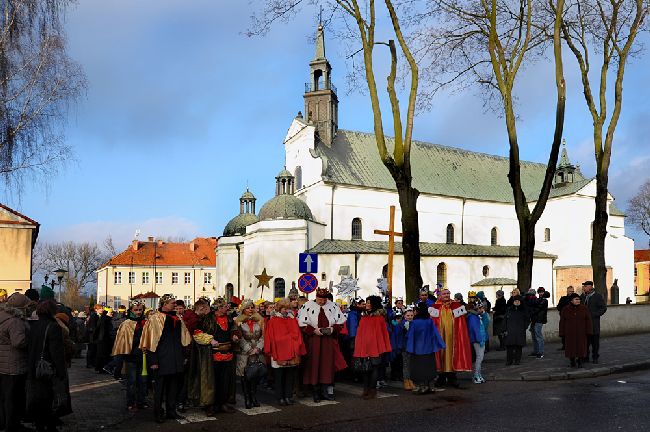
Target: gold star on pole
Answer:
[[263, 279]]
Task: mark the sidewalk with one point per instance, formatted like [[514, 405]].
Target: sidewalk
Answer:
[[617, 354]]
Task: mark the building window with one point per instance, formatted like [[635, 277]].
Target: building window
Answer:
[[486, 271], [118, 277], [441, 274], [117, 302], [230, 290], [159, 278], [278, 288], [298, 177], [547, 234], [450, 234], [494, 237], [174, 277], [635, 271], [187, 300], [145, 277], [207, 278], [356, 229], [188, 278], [131, 277]]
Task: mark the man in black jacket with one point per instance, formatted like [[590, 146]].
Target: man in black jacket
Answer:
[[537, 321], [564, 301], [596, 304]]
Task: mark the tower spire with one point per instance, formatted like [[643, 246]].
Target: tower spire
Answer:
[[564, 158]]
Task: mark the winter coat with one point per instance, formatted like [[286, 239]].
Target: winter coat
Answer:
[[423, 337], [540, 315], [283, 341], [516, 324], [53, 351], [575, 326], [372, 336], [597, 307], [562, 303], [499, 317], [477, 326], [249, 340], [169, 352], [14, 332]]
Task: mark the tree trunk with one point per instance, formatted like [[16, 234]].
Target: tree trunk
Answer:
[[598, 263], [408, 197], [526, 253]]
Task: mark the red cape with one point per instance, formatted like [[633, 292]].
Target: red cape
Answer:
[[462, 356], [283, 340], [372, 338]]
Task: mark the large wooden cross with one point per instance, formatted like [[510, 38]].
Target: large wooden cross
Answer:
[[391, 233]]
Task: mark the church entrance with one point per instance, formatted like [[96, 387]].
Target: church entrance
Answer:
[[441, 275]]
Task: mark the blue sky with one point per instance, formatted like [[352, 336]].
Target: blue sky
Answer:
[[183, 111]]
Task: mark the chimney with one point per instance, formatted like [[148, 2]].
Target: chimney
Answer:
[[150, 239], [135, 245], [192, 246]]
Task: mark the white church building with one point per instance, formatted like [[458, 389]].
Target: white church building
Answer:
[[334, 192]]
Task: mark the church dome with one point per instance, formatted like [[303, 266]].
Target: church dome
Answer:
[[238, 224], [285, 206]]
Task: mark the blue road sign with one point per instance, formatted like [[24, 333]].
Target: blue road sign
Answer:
[[307, 283], [308, 263]]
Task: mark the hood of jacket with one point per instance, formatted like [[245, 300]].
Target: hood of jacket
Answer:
[[8, 312], [243, 318]]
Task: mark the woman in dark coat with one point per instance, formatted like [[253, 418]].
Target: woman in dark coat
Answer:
[[499, 320], [575, 326], [46, 339], [516, 323]]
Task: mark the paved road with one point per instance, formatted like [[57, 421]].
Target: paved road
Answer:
[[615, 402]]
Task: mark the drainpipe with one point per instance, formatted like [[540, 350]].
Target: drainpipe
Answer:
[[238, 270], [462, 223], [553, 281], [332, 214], [356, 264]]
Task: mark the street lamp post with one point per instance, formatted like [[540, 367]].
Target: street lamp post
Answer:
[[59, 276]]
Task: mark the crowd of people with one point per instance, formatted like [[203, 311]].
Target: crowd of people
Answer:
[[198, 356]]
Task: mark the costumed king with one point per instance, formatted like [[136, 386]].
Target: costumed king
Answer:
[[449, 317], [321, 320]]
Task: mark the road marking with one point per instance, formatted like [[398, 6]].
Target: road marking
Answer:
[[92, 385], [262, 409], [347, 388], [310, 402], [195, 418]]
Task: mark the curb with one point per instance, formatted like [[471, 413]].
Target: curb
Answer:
[[574, 374]]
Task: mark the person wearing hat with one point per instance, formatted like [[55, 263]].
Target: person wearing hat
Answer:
[[597, 307], [499, 319], [249, 330], [477, 322], [537, 320], [397, 342], [449, 317], [3, 295], [561, 304], [424, 296], [13, 360], [293, 298], [399, 305], [102, 338], [321, 321], [516, 323], [423, 341], [459, 298], [163, 337], [575, 328], [127, 346]]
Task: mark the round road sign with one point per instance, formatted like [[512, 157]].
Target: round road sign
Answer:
[[307, 283]]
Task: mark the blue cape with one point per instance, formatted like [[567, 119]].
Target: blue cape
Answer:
[[423, 337]]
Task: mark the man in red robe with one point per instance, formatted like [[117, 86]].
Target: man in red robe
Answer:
[[321, 320], [449, 317]]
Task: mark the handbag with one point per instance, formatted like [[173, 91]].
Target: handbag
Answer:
[[44, 369], [255, 370]]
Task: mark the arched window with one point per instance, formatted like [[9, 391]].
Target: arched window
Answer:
[[450, 234], [278, 288], [494, 237], [298, 175], [441, 274], [384, 271], [547, 234], [486, 270], [356, 229]]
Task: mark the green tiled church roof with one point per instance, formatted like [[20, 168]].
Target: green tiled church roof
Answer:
[[438, 170], [494, 281], [426, 249]]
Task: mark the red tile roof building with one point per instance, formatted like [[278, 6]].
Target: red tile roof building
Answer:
[[185, 269], [642, 275]]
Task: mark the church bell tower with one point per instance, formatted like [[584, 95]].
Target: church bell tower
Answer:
[[321, 103]]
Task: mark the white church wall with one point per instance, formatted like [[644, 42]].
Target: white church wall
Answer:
[[619, 253], [480, 217], [298, 143], [227, 264]]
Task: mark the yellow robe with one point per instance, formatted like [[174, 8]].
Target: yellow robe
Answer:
[[153, 329], [447, 333], [124, 339]]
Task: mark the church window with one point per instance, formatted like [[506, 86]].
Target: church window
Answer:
[[318, 74], [323, 276], [384, 271], [298, 176], [494, 237], [450, 234], [356, 229], [230, 290], [441, 274], [278, 288], [547, 234], [486, 270]]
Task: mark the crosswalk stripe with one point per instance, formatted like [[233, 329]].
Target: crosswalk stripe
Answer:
[[197, 417], [310, 402], [262, 409]]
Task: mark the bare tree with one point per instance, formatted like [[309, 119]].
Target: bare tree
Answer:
[[80, 260], [638, 209], [489, 42], [359, 18], [604, 31], [37, 82], [109, 247]]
